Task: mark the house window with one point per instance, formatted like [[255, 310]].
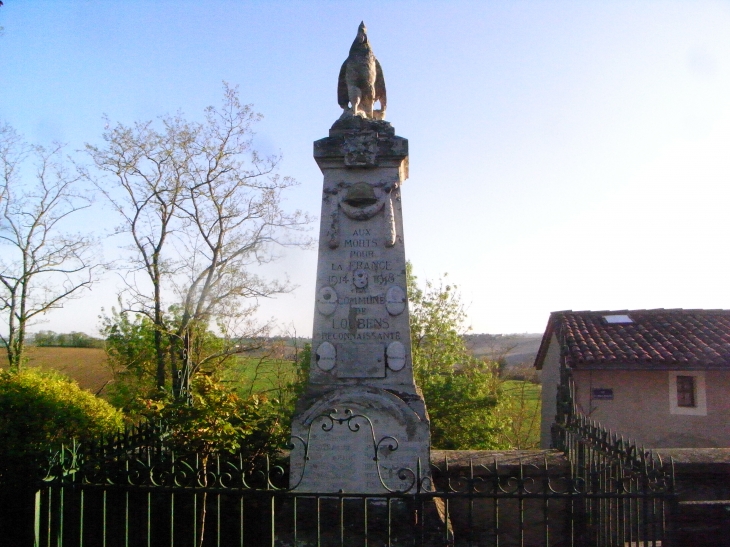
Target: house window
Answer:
[[686, 391]]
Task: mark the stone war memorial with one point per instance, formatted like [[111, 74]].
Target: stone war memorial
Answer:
[[361, 471], [361, 426]]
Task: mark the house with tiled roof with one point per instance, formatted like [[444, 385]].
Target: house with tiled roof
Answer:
[[661, 377]]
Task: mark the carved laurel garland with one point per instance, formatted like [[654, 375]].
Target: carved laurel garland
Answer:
[[336, 199]]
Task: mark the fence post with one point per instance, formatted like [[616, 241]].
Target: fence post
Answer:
[[37, 520], [670, 533]]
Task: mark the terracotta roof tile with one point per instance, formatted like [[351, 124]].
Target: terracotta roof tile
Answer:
[[656, 338]]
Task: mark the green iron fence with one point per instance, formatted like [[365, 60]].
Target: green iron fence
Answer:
[[634, 502], [132, 491], [633, 499]]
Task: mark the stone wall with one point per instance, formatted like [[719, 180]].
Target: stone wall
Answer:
[[550, 379], [519, 523], [703, 488]]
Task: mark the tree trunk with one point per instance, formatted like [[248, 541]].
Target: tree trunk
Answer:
[[173, 366], [185, 379], [159, 351], [159, 324], [15, 348]]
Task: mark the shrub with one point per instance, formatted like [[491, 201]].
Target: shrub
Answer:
[[40, 410], [219, 420]]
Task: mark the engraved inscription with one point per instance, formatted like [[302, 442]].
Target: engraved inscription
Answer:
[[337, 279], [361, 323], [383, 279], [358, 336], [374, 266], [364, 300], [362, 243], [362, 254]]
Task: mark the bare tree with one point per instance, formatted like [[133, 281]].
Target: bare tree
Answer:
[[202, 208], [148, 176], [41, 264]]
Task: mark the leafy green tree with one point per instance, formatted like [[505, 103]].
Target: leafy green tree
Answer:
[[268, 383], [270, 374], [130, 349], [461, 392], [48, 338]]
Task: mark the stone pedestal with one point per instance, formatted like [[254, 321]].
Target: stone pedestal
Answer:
[[362, 425]]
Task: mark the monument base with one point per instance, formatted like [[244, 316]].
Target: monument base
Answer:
[[361, 440]]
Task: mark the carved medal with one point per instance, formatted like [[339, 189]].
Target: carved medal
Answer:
[[395, 300], [360, 278], [326, 356], [327, 300], [395, 356]]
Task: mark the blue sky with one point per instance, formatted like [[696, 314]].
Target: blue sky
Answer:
[[564, 155]]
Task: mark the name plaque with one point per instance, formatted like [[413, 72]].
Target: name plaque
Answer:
[[361, 361]]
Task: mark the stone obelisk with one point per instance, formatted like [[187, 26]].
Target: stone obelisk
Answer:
[[362, 425]]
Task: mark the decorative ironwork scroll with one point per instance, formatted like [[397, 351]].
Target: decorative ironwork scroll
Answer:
[[328, 420]]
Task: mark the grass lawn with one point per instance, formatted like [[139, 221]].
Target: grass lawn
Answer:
[[85, 365], [532, 391]]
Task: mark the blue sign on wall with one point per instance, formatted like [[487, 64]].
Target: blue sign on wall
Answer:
[[603, 393]]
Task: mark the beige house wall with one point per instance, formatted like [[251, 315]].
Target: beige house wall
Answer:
[[549, 378], [644, 410]]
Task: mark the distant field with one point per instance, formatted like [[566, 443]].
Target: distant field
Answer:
[[88, 367], [85, 365]]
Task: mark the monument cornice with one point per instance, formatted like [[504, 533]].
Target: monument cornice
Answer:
[[361, 149]]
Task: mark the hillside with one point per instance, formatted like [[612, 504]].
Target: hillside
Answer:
[[515, 348]]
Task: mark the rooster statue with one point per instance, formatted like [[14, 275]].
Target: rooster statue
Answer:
[[361, 81]]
